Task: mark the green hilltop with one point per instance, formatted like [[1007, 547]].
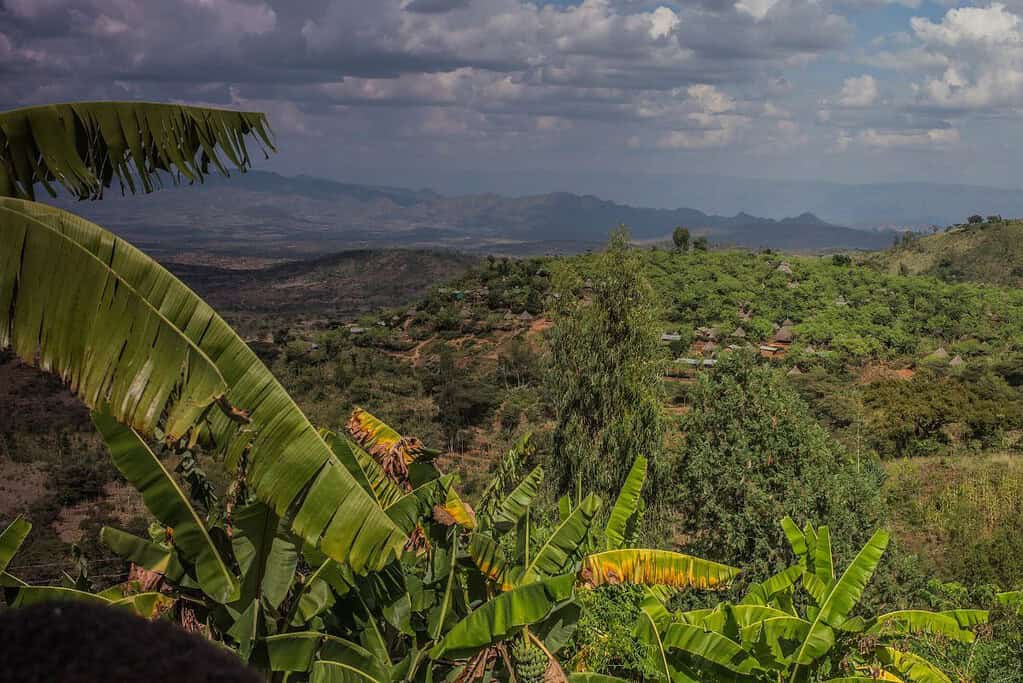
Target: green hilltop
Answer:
[[989, 250]]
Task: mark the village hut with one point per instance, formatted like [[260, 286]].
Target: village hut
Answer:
[[957, 362], [784, 335]]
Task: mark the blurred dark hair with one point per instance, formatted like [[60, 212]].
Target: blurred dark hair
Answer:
[[78, 642]]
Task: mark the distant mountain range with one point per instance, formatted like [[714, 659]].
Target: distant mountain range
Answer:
[[260, 213]]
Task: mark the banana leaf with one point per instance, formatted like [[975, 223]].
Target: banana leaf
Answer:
[[11, 539], [170, 505], [515, 504], [85, 145], [144, 553], [842, 599], [503, 616], [625, 507], [562, 546], [653, 567], [92, 307]]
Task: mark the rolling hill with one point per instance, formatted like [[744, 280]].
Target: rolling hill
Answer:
[[990, 252]]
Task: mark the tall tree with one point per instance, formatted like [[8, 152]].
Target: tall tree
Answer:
[[604, 376], [681, 238], [754, 454]]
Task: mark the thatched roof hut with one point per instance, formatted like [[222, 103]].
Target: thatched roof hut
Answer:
[[794, 372], [784, 335], [739, 332], [940, 354], [957, 362]]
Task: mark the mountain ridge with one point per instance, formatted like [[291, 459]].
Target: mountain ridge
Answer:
[[261, 212]]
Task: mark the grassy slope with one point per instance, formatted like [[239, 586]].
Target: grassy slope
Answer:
[[986, 252]]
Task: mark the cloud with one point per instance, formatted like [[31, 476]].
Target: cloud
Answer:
[[934, 138], [860, 91]]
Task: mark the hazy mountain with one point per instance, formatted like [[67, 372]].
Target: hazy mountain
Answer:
[[263, 213], [870, 205]]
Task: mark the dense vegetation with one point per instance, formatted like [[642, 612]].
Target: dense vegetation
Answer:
[[323, 552]]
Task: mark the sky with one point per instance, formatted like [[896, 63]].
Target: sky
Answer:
[[468, 95]]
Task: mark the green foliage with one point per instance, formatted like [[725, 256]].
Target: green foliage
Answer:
[[936, 409], [754, 454], [603, 377], [680, 237]]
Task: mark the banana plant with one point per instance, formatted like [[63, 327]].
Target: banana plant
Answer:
[[765, 638], [530, 586], [131, 341]]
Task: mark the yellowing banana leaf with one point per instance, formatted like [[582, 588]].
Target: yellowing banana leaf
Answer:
[[460, 512], [11, 539], [144, 553], [170, 505], [589, 677], [365, 469], [909, 622], [515, 504], [488, 557], [502, 616], [625, 507], [290, 465], [380, 440], [912, 667], [842, 599], [84, 145], [653, 567]]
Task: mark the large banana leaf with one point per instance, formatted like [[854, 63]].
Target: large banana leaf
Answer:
[[267, 555], [907, 622], [196, 356], [66, 305], [589, 677], [562, 547], [297, 651], [143, 604], [842, 599], [624, 510], [84, 145], [515, 504], [653, 567], [502, 616], [710, 646], [11, 539], [169, 504]]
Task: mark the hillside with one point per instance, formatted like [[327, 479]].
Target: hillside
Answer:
[[343, 284], [990, 252], [263, 214]]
